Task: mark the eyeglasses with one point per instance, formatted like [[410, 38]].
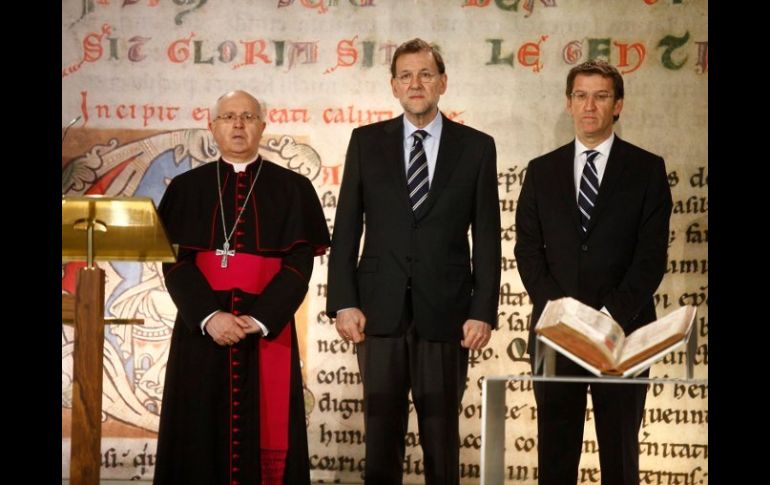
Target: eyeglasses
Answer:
[[599, 98], [425, 77], [230, 118]]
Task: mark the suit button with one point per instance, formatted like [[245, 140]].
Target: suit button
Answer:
[[415, 226], [408, 259], [584, 247]]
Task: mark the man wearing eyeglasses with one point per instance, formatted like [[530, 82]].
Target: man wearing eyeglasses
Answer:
[[418, 298], [592, 223], [248, 230]]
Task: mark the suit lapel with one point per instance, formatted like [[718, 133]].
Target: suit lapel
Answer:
[[449, 151], [392, 145], [566, 180], [612, 174]]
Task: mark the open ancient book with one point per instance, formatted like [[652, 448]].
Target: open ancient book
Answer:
[[596, 342]]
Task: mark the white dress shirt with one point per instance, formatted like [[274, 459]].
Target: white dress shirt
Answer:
[[600, 161], [430, 143]]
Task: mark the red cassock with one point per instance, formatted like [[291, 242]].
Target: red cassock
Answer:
[[235, 414]]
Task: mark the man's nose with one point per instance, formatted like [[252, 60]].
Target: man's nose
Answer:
[[415, 82]]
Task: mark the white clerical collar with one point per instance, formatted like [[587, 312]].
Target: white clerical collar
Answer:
[[240, 166]]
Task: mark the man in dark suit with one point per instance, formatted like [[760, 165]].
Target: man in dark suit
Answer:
[[419, 297], [592, 223]]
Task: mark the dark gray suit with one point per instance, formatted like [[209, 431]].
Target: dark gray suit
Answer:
[[618, 263], [418, 276]]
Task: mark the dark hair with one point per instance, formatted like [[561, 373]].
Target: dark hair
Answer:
[[602, 68], [417, 45]]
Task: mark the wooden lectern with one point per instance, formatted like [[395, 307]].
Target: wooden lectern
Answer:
[[96, 228]]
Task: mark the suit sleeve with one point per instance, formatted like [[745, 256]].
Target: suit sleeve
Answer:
[[342, 290], [649, 262], [485, 230], [530, 244], [188, 288]]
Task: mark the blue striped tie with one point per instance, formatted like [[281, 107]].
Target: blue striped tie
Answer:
[[417, 171], [589, 188]]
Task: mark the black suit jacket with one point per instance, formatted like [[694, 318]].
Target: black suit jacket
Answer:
[[620, 261], [450, 282]]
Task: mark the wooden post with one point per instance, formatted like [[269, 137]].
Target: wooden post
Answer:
[[128, 229], [85, 456]]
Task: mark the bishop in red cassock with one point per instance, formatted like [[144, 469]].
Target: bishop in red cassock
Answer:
[[247, 230]]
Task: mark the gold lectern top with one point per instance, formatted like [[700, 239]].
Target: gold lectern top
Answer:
[[112, 228]]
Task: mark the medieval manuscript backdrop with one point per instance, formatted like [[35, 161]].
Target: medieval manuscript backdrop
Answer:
[[143, 74]]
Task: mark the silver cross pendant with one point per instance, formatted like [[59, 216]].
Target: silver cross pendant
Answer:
[[225, 252]]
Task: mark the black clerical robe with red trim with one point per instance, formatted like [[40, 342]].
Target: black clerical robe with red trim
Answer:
[[235, 414]]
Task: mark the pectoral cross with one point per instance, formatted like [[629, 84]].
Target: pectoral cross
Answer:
[[225, 252]]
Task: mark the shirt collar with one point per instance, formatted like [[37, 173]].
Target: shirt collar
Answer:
[[433, 128], [603, 148]]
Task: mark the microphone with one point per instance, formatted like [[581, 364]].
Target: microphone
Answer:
[[69, 125]]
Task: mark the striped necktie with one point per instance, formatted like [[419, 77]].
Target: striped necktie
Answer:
[[417, 171], [589, 188]]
